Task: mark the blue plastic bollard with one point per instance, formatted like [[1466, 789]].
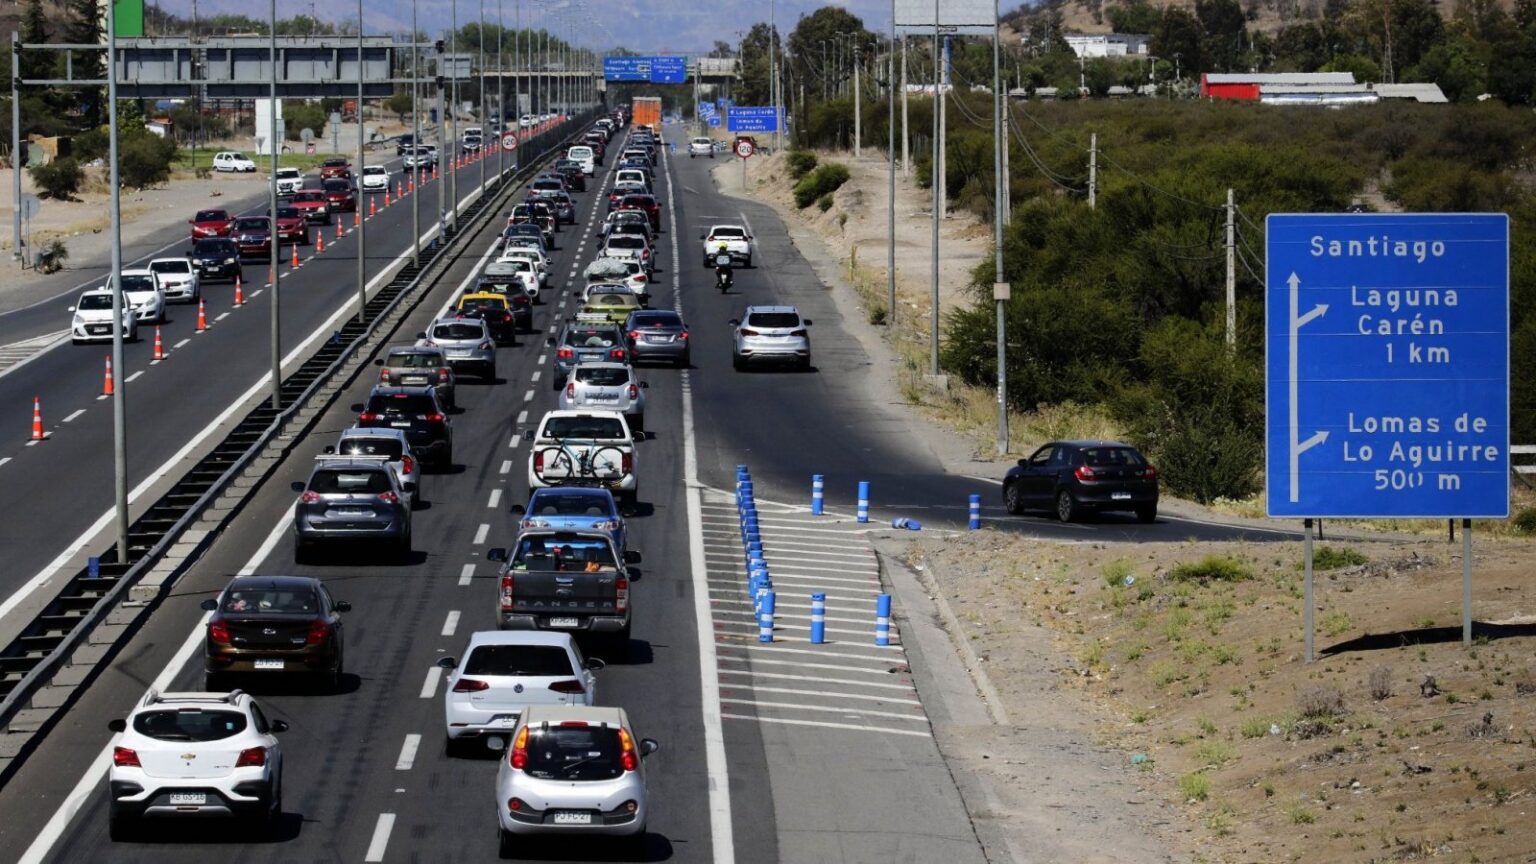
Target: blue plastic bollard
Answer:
[[818, 494], [818, 618], [863, 500], [975, 512], [93, 567], [765, 619], [883, 620]]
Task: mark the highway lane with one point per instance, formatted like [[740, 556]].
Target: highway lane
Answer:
[[344, 750], [171, 401]]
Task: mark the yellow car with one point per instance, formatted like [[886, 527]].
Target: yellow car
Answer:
[[614, 307], [496, 310]]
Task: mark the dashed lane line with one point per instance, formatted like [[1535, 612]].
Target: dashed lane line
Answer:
[[495, 499], [467, 573], [134, 377], [380, 841], [408, 752], [506, 466], [481, 533], [451, 623], [74, 415], [429, 686], [182, 343]]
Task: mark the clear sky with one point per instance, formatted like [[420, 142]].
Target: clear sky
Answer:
[[649, 26]]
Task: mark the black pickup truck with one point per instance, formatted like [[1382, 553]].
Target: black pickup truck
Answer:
[[575, 581]]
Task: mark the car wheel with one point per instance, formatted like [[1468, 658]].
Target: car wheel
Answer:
[[121, 828], [458, 748], [303, 552], [403, 549], [1013, 498], [1146, 513], [749, 261], [736, 362], [506, 846], [686, 362], [1066, 507], [213, 682]]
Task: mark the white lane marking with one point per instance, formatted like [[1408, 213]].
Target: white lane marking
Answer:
[[842, 655], [849, 712], [542, 358], [451, 623], [481, 533], [90, 781], [821, 724], [537, 374], [220, 317], [516, 440], [254, 294], [522, 417], [494, 500], [834, 667], [506, 466], [466, 574], [180, 344], [750, 673], [380, 840], [408, 752], [429, 686], [74, 415], [133, 377], [528, 397], [790, 691], [721, 830], [5, 460]]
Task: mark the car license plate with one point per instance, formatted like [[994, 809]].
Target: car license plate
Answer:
[[604, 397], [660, 339], [505, 721], [1120, 496], [462, 353], [562, 622], [269, 664], [414, 379], [399, 425], [189, 798], [569, 818]]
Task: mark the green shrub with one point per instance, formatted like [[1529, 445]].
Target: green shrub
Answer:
[[59, 179], [824, 203], [1212, 568], [800, 162], [1114, 572], [145, 160], [1195, 787], [825, 179], [1525, 521], [1332, 558]]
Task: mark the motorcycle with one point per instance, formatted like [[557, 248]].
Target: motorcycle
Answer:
[[724, 277]]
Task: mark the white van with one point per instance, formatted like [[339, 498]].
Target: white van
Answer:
[[584, 156]]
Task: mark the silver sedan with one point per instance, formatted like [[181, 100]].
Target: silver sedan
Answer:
[[610, 386]]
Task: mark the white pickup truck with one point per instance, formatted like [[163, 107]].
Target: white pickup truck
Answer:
[[584, 448], [737, 242]]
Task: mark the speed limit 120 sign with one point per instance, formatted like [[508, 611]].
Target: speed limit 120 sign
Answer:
[[744, 149]]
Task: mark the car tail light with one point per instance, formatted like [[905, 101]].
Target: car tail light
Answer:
[[515, 805], [311, 498], [506, 317], [627, 755], [434, 417], [251, 757], [470, 685], [319, 629], [538, 462], [218, 632], [570, 390], [442, 375], [797, 333], [1149, 473], [506, 587], [634, 335], [389, 498], [634, 391], [123, 757], [566, 354], [367, 417], [621, 595], [1085, 474], [628, 464], [617, 353], [384, 375], [746, 332], [572, 686], [640, 277], [407, 465], [683, 335], [519, 757]]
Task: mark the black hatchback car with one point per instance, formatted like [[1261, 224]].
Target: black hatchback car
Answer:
[[273, 625], [216, 258], [417, 411], [1073, 478]]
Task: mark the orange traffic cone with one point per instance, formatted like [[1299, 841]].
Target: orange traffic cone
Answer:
[[37, 419], [339, 232], [294, 261], [410, 184], [271, 277], [434, 171], [202, 315], [106, 381], [319, 242], [239, 294], [372, 211], [159, 347], [386, 195]]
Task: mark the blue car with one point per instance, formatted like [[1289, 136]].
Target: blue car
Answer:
[[574, 508]]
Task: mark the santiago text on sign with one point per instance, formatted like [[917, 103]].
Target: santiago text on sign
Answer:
[[1378, 247]]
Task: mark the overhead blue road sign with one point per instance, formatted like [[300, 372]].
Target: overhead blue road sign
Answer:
[[723, 104], [714, 121], [1387, 365], [763, 119], [706, 109], [669, 70], [626, 68]]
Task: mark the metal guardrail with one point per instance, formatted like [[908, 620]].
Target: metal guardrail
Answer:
[[40, 649]]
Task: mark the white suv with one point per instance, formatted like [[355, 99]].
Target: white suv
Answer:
[[194, 755], [289, 181], [229, 160], [735, 239], [701, 147], [771, 334]]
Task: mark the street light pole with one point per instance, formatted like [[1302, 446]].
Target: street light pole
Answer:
[[501, 94], [890, 177], [415, 138], [119, 403], [934, 184], [1000, 290], [362, 164], [484, 117], [276, 327]]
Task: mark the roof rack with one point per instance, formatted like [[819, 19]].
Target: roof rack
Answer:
[[154, 697], [351, 457]]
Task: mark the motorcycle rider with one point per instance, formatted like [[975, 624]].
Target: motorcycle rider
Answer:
[[724, 277]]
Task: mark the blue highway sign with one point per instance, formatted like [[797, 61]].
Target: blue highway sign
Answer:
[[669, 70], [740, 119], [627, 68], [1387, 365], [714, 121]]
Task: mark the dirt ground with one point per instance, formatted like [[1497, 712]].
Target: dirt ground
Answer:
[[1164, 684]]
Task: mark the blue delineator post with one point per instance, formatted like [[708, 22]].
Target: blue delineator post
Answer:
[[883, 620], [975, 512], [863, 500], [818, 494], [93, 567], [818, 618], [765, 619]]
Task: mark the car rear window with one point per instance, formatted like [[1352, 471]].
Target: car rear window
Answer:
[[574, 753], [189, 724], [728, 232], [342, 482], [334, 185], [251, 224], [372, 445], [626, 241], [401, 403], [414, 360], [563, 555], [285, 601], [657, 319], [569, 504], [540, 660], [584, 427], [577, 338], [138, 283], [551, 185], [288, 213], [309, 196], [211, 216], [484, 304], [458, 331], [171, 266], [602, 376], [215, 247], [95, 301], [1112, 457], [773, 319]]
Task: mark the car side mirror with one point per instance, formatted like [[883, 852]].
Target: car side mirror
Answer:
[[343, 606], [1023, 463], [550, 342], [734, 322], [497, 554], [208, 605], [71, 308], [631, 556], [356, 408], [189, 221], [421, 335], [519, 509], [595, 663], [328, 450], [447, 663], [380, 361], [637, 436], [703, 237], [645, 385], [648, 746], [117, 724], [807, 322], [528, 435], [278, 725], [297, 485]]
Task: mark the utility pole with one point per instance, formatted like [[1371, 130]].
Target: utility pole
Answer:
[[1001, 290], [362, 164], [415, 137], [906, 139], [825, 76], [501, 97], [484, 117], [16, 165], [273, 251], [1007, 203], [890, 176], [773, 77], [943, 108], [119, 395], [858, 120], [442, 145], [1231, 274], [451, 148], [938, 210], [1093, 171]]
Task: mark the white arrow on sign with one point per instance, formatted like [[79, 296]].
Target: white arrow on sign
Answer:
[[1298, 446]]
